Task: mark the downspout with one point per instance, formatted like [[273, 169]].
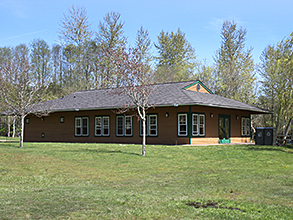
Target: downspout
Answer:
[[190, 125]]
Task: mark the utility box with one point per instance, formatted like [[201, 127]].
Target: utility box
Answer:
[[264, 136]]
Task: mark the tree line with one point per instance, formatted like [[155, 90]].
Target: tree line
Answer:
[[78, 62]]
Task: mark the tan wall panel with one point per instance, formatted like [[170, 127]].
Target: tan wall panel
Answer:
[[240, 140], [194, 88], [204, 140]]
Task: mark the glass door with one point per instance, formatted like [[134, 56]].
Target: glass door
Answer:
[[224, 129]]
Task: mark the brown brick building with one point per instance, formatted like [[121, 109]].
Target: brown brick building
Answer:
[[184, 113]]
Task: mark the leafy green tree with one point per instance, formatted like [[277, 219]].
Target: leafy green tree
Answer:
[[204, 73], [143, 43], [176, 57], [109, 36], [276, 71], [111, 33], [234, 67], [74, 34]]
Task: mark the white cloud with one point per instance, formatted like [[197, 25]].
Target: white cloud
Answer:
[[216, 23], [22, 35]]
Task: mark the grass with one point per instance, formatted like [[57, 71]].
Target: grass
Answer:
[[4, 138], [112, 181]]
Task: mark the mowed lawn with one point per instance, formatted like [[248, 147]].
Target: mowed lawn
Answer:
[[113, 181]]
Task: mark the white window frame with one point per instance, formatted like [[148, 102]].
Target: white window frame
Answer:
[[102, 127], [125, 126], [245, 126], [198, 124], [154, 125], [148, 125], [117, 128], [179, 125], [81, 126]]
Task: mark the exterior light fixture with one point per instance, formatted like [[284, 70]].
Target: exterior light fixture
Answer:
[[167, 114], [211, 115], [237, 117]]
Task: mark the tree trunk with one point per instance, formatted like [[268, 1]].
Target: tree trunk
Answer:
[[13, 126], [143, 136], [21, 131], [8, 126]]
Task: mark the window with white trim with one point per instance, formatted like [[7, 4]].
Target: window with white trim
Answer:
[[182, 124], [123, 125], [102, 126], [81, 126], [198, 125], [151, 125], [245, 126]]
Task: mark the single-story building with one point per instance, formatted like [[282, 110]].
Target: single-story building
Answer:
[[184, 113]]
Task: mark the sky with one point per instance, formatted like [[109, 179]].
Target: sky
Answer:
[[267, 21]]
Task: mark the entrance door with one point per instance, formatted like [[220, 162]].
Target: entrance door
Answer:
[[224, 129]]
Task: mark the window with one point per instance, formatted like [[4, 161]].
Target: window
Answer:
[[151, 124], [245, 126], [102, 126], [182, 124], [81, 126], [124, 125], [120, 125], [198, 124]]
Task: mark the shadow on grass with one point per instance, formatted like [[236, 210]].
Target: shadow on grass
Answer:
[[286, 148]]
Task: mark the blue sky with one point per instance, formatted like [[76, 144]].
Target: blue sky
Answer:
[[266, 21]]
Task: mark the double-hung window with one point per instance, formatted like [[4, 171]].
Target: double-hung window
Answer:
[[102, 126], [81, 126], [198, 124], [245, 126], [124, 125], [182, 124], [151, 125]]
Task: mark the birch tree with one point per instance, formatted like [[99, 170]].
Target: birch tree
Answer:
[[134, 75], [18, 89]]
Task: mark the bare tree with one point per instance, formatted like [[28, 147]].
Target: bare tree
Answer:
[[134, 76], [19, 91]]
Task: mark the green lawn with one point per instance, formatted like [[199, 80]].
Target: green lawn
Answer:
[[9, 138], [107, 181]]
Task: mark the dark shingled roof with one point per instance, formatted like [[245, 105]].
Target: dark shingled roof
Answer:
[[167, 94]]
